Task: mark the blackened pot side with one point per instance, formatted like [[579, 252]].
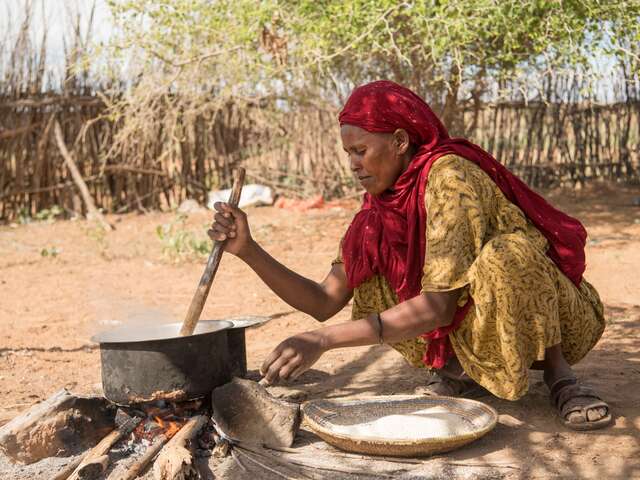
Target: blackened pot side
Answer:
[[237, 341], [143, 364]]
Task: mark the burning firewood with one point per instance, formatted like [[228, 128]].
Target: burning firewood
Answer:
[[139, 465], [94, 468], [95, 462], [175, 461]]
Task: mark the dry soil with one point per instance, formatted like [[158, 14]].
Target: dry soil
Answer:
[[61, 282]]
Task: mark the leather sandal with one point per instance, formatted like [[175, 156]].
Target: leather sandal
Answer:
[[569, 396], [441, 385]]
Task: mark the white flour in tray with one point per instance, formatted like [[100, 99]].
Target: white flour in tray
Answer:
[[432, 422]]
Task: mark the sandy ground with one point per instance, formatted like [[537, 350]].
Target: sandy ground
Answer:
[[51, 305]]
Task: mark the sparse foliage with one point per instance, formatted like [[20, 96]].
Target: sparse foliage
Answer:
[[188, 89], [231, 49], [51, 252], [180, 244]]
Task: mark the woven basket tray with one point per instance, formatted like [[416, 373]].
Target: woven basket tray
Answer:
[[399, 425]]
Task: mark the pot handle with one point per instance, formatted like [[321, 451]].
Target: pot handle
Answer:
[[200, 297]]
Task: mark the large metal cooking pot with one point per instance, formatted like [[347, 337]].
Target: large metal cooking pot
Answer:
[[237, 341], [141, 364]]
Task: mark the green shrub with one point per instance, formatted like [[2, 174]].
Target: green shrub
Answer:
[[45, 215], [50, 252], [180, 244]]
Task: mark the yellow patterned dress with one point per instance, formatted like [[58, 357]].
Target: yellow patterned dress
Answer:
[[479, 241]]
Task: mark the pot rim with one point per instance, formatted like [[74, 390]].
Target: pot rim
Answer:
[[134, 334], [248, 321]]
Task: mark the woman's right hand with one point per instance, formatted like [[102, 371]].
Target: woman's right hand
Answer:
[[231, 226]]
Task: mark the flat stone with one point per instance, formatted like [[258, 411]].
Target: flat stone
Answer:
[[245, 411]]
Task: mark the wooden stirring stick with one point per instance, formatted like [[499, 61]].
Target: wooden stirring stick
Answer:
[[200, 297]]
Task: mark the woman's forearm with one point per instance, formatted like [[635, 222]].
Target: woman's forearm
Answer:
[[406, 320], [301, 293]]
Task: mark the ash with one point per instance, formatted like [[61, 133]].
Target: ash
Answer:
[[41, 470]]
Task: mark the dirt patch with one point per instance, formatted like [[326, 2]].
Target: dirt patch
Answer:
[[53, 302]]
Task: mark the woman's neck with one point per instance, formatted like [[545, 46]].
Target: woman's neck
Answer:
[[408, 156]]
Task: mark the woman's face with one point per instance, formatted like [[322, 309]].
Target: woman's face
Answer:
[[376, 159]]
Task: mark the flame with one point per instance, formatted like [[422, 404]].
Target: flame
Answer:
[[167, 420], [170, 428]]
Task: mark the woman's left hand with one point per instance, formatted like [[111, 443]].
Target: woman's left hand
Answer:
[[293, 357]]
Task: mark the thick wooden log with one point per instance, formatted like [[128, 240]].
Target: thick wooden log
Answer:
[[175, 461], [94, 455], [93, 469]]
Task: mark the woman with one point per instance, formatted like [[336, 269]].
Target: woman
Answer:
[[451, 260]]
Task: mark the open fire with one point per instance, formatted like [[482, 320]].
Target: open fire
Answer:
[[118, 441], [161, 439], [164, 432], [162, 418]]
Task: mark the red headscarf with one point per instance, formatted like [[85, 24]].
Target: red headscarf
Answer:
[[387, 236]]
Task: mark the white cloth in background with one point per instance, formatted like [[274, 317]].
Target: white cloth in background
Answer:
[[252, 194]]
